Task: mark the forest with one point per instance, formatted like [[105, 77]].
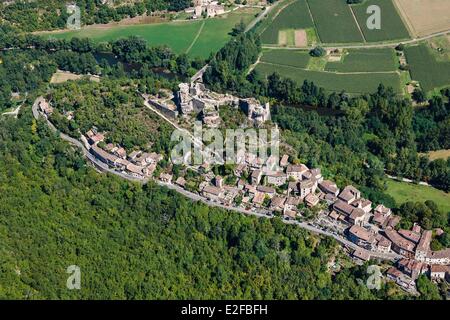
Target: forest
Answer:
[[146, 242], [52, 14], [376, 132]]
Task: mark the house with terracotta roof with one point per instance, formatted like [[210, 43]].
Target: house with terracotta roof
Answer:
[[423, 247], [412, 268], [212, 192], [277, 203], [311, 200], [276, 178], [383, 244], [363, 204], [400, 245], [258, 199], [329, 187], [438, 257], [165, 177], [349, 194], [361, 255], [439, 272], [296, 171], [357, 217], [361, 236], [269, 191], [306, 187], [284, 160], [410, 235], [256, 176], [343, 207]]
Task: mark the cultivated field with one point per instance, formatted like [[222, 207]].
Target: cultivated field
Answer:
[[404, 192], [334, 21], [291, 58], [294, 16], [365, 60], [179, 35], [392, 26], [424, 67], [425, 16], [353, 83]]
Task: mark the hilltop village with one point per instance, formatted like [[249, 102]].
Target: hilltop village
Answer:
[[276, 187]]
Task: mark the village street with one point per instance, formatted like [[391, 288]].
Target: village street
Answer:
[[261, 213]]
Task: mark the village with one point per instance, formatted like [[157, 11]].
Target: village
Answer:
[[277, 187]]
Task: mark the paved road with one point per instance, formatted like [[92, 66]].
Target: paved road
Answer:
[[261, 213], [100, 166], [198, 143], [259, 18], [363, 46], [14, 113]]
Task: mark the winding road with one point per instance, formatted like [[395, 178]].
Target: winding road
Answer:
[[260, 213]]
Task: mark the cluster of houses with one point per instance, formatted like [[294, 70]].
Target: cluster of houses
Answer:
[[274, 185], [292, 187], [194, 99], [375, 231], [138, 164], [208, 8]]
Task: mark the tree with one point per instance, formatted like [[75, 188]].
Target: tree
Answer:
[[317, 52]]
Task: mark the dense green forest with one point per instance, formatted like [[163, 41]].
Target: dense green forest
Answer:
[[367, 133], [52, 14], [137, 242], [143, 242]]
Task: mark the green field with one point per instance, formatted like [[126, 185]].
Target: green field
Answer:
[[424, 68], [365, 60], [403, 192], [177, 35], [292, 58], [294, 16], [334, 21], [351, 83], [392, 26]]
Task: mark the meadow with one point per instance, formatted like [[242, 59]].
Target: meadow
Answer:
[[365, 60], [292, 58], [424, 68], [201, 40], [404, 192], [294, 16], [392, 26], [334, 21], [330, 81]]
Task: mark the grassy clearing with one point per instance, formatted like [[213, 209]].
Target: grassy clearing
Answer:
[[439, 154], [351, 83], [317, 64], [365, 60], [178, 35], [292, 58], [392, 26], [404, 192], [312, 36], [334, 21], [294, 16], [424, 68]]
